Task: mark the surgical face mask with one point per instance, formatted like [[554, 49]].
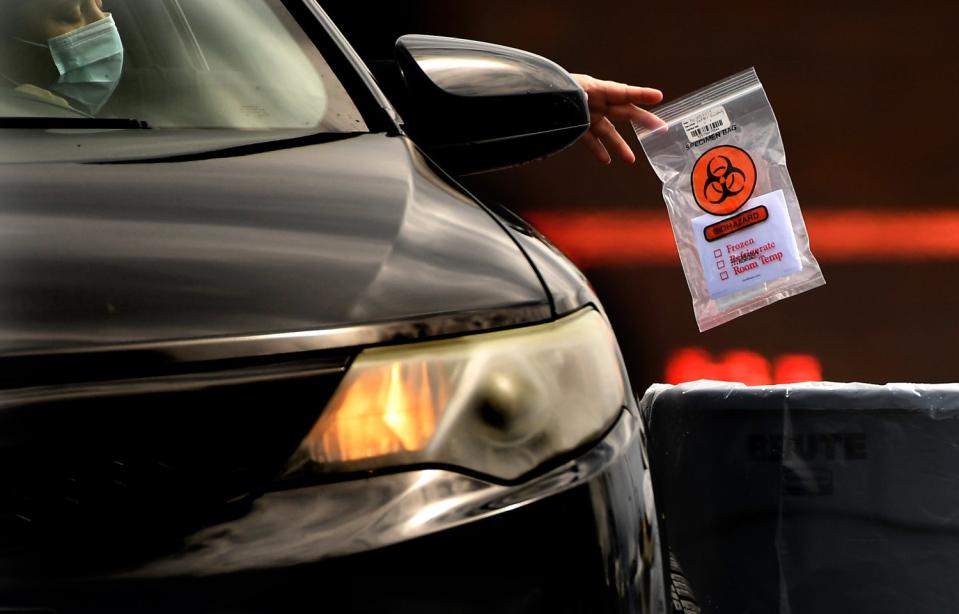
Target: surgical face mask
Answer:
[[90, 60]]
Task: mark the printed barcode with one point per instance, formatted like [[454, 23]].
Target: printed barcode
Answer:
[[706, 129], [708, 124]]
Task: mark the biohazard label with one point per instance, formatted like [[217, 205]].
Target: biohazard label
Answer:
[[717, 231], [723, 179], [752, 254], [701, 125]]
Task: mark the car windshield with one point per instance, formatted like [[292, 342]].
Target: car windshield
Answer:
[[241, 65]]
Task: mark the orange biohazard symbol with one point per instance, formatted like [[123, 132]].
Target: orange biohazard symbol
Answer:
[[723, 180]]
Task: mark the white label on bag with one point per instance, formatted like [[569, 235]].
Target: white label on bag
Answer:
[[707, 122], [755, 246]]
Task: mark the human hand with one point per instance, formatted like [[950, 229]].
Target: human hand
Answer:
[[610, 101]]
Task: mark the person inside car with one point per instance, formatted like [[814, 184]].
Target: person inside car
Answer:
[[63, 52], [69, 53]]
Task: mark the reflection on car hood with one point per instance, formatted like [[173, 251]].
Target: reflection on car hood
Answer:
[[296, 239]]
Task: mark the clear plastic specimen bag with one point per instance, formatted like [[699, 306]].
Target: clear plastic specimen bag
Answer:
[[741, 236]]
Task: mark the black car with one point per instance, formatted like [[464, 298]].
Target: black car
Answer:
[[262, 353]]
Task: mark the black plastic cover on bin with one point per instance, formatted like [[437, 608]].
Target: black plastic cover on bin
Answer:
[[810, 498]]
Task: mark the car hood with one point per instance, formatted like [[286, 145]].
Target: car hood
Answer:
[[298, 238]]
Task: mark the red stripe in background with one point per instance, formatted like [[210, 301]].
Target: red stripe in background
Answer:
[[841, 235]]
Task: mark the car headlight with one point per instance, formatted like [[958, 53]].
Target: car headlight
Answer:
[[500, 403]]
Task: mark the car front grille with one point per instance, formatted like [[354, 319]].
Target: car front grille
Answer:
[[125, 461]]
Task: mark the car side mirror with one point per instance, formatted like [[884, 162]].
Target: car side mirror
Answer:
[[475, 106]]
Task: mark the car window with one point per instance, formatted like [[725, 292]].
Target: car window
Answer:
[[234, 64]]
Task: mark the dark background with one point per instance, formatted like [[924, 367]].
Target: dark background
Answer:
[[865, 94]]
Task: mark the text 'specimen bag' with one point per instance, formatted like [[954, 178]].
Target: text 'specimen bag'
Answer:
[[741, 236]]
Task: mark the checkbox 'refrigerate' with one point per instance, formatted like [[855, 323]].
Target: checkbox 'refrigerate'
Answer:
[[724, 276], [720, 264], [718, 253]]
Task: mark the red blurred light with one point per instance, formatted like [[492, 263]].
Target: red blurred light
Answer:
[[645, 238], [688, 364], [792, 368], [746, 366]]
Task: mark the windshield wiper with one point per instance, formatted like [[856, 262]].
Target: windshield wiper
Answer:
[[68, 123]]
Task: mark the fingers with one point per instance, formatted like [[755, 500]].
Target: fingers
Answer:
[[613, 101], [643, 95], [632, 113], [616, 93], [593, 144], [611, 139], [647, 120], [602, 93], [624, 112], [632, 94]]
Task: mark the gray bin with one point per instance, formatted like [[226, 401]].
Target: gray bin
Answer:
[[810, 498]]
